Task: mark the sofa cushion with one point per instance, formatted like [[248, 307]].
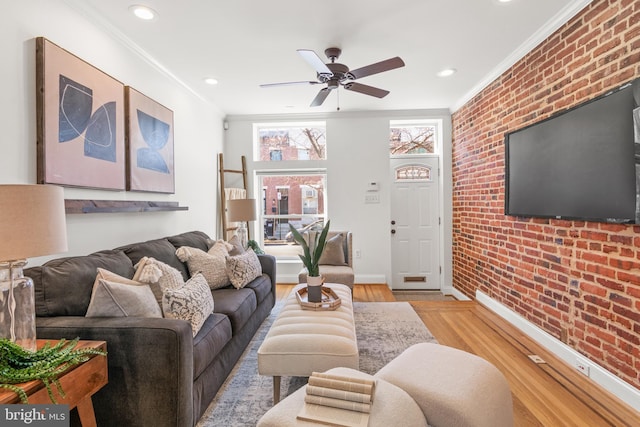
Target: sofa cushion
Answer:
[[237, 304], [192, 302], [214, 334], [63, 286], [261, 286], [160, 249], [193, 239]]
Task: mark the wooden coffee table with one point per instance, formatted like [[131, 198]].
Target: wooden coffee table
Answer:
[[79, 384]]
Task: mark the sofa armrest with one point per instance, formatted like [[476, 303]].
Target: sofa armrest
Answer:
[[150, 363], [268, 263]]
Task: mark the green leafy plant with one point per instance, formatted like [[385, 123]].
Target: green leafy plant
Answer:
[[254, 245], [311, 259], [18, 365]]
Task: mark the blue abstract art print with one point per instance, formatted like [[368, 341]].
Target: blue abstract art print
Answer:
[[150, 165]]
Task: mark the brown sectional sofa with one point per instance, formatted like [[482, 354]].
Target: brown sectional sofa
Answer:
[[159, 374]]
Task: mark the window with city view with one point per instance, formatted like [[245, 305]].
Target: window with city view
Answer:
[[416, 137], [290, 196], [290, 141]]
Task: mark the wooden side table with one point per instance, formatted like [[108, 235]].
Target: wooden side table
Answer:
[[79, 384]]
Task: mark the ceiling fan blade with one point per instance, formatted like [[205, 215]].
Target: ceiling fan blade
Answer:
[[290, 83], [315, 61], [376, 68], [367, 90], [320, 97]]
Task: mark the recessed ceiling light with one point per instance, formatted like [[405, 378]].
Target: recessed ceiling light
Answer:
[[447, 72], [143, 12], [211, 81]]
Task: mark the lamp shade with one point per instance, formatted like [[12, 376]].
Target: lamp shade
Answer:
[[239, 210], [32, 221]]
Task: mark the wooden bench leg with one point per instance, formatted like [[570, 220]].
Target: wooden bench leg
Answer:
[[276, 389]]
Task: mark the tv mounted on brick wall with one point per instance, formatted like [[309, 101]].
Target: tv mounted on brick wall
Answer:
[[581, 164]]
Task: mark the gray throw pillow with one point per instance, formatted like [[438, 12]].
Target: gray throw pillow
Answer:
[[124, 299], [333, 253]]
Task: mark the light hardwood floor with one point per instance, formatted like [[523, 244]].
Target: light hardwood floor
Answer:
[[551, 394]]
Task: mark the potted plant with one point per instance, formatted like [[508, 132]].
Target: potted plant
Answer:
[[310, 258]]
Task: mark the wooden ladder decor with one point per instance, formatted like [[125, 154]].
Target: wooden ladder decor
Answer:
[[223, 200]]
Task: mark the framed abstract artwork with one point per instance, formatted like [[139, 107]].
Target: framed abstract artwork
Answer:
[[149, 144], [80, 121]]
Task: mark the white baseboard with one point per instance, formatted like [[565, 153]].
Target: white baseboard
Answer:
[[456, 294], [371, 278], [598, 374]]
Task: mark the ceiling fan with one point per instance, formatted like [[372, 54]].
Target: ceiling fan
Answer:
[[335, 74]]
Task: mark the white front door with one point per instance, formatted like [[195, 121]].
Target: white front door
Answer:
[[415, 242]]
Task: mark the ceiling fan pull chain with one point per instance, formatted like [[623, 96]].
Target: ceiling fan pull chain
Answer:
[[338, 96]]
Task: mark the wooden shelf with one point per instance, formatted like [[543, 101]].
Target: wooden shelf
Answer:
[[75, 206]]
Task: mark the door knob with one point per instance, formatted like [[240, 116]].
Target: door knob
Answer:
[[393, 231], [393, 222]]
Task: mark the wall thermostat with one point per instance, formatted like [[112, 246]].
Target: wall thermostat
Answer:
[[373, 186]]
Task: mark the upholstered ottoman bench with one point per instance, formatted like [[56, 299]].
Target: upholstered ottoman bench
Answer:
[[301, 342], [451, 386], [391, 406]]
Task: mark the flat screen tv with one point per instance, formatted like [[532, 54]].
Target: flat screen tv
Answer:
[[581, 164]]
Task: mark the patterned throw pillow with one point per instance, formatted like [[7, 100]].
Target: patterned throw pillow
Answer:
[[158, 275], [192, 302], [242, 269], [211, 264]]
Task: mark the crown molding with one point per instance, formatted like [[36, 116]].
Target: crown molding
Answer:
[[545, 31]]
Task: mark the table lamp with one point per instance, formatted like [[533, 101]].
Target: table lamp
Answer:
[[242, 210], [32, 223]]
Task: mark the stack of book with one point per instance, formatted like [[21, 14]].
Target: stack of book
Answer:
[[338, 400]]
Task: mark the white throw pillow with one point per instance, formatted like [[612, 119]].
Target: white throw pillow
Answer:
[[192, 302], [211, 264], [243, 268], [158, 275]]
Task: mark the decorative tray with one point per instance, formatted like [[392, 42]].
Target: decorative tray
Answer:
[[330, 300]]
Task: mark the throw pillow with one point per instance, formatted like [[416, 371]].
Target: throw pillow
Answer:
[[237, 248], [192, 302], [158, 275], [333, 253], [113, 299], [242, 269], [211, 264]]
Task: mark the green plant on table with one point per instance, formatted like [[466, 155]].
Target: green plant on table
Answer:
[[18, 365], [311, 259]]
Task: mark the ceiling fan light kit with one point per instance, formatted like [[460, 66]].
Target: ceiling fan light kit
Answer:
[[334, 74]]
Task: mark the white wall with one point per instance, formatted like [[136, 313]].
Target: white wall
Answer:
[[357, 153], [197, 126]]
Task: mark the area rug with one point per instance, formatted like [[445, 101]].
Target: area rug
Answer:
[[384, 330]]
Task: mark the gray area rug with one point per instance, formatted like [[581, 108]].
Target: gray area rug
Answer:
[[384, 330]]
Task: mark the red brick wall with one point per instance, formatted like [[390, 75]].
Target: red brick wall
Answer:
[[579, 281]]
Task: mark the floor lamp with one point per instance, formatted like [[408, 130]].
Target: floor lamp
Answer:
[[242, 210], [32, 223]]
